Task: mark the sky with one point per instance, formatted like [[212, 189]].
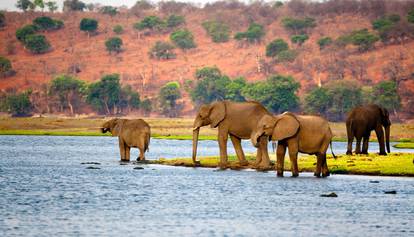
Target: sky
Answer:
[[9, 5]]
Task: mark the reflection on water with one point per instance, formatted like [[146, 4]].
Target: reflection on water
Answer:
[[46, 191]]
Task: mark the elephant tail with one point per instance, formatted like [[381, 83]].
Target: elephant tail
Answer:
[[334, 156]]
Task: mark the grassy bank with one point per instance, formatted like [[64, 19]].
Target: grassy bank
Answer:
[[164, 128], [395, 164]]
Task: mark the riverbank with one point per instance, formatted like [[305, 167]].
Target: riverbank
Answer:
[[394, 164]]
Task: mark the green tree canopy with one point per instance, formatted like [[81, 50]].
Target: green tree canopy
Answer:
[[254, 33], [52, 6], [298, 25], [168, 96], [317, 101], [386, 95], [89, 25], [218, 31], [47, 23], [73, 5], [146, 106], [19, 105], [151, 23], [277, 93], [210, 86], [275, 47], [114, 44], [2, 20], [109, 10], [410, 16], [234, 90], [118, 29], [25, 31], [104, 94], [299, 39], [175, 21], [324, 42], [343, 96], [37, 44], [5, 66], [40, 4], [162, 50], [68, 90], [183, 38], [25, 5]]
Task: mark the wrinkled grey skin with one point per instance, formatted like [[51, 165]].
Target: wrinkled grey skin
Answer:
[[130, 133]]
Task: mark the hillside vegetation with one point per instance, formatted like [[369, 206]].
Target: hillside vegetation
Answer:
[[311, 57]]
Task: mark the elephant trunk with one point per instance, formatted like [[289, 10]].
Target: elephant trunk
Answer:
[[196, 132], [387, 137]]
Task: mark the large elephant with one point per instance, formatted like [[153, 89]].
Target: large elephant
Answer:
[[237, 120], [359, 124], [300, 133], [131, 133]]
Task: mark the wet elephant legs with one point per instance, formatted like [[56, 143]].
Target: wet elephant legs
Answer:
[[239, 151]]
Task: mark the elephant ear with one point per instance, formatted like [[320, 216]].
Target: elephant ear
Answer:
[[286, 126], [117, 126], [217, 113]]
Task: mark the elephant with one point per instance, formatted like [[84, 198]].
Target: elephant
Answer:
[[359, 124], [300, 133], [237, 120], [131, 133]]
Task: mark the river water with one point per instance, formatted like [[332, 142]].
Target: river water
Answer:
[[46, 191]]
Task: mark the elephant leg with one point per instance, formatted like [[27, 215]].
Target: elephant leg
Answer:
[[365, 142], [239, 151], [265, 161], [318, 165], [380, 136], [280, 154], [127, 152], [222, 140], [293, 155], [258, 156], [325, 170], [141, 154], [358, 145], [122, 149], [350, 141]]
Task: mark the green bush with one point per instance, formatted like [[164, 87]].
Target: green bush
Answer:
[[89, 25], [168, 96], [175, 21], [218, 31], [254, 33], [19, 105], [73, 5], [109, 10], [317, 101], [153, 23], [298, 25], [324, 42], [410, 16], [275, 47], [363, 39], [162, 50], [5, 66], [37, 44], [114, 44], [287, 56], [25, 31], [118, 29], [2, 20], [299, 39], [47, 23], [385, 94], [183, 38]]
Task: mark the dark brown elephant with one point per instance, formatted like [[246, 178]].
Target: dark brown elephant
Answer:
[[300, 133], [237, 120], [359, 124], [131, 133]]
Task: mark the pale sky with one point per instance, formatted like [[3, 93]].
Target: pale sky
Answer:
[[10, 4]]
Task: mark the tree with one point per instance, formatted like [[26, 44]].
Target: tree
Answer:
[[69, 91], [104, 94], [89, 25], [47, 23], [52, 6], [23, 32], [234, 90], [317, 101], [73, 5], [410, 16], [109, 10], [129, 99], [118, 29], [183, 38], [37, 44], [162, 50], [297, 25], [218, 31], [324, 42], [40, 4], [153, 23], [277, 93], [299, 39], [210, 86], [114, 44], [343, 96], [19, 105], [2, 20], [287, 56], [168, 96], [175, 21], [146, 106], [254, 33], [24, 5], [386, 95], [275, 47], [5, 66]]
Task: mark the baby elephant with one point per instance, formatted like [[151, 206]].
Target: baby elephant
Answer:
[[131, 133], [300, 133]]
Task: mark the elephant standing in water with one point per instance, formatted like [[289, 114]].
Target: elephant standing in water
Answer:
[[237, 120], [361, 121], [131, 133], [300, 133]]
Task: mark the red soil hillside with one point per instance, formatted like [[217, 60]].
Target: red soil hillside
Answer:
[[71, 47]]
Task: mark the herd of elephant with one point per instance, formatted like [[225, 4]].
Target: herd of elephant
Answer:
[[250, 120]]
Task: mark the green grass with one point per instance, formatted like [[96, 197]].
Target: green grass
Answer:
[[404, 145], [395, 164]]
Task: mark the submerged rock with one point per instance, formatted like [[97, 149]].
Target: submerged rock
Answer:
[[138, 168], [390, 192], [90, 163], [92, 168], [374, 181], [329, 195]]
